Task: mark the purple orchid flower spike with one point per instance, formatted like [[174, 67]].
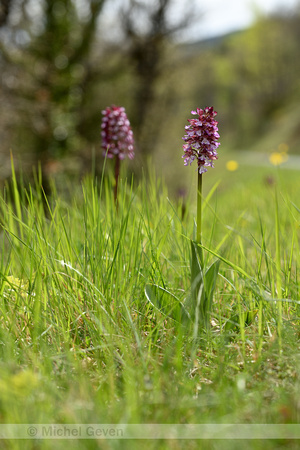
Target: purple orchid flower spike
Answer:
[[117, 135], [201, 139], [117, 138]]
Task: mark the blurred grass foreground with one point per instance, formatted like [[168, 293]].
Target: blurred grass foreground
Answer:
[[80, 342]]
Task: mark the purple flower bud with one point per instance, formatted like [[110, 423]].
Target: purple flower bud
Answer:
[[116, 132], [201, 139]]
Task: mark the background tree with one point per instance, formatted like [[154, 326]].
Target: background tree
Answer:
[[148, 32], [48, 51], [5, 6]]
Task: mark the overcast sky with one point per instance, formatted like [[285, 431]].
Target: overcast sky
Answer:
[[216, 17], [222, 16]]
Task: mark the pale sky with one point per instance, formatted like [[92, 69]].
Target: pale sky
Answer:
[[216, 17], [222, 16]]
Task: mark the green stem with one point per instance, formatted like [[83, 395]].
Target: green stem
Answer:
[[278, 271], [199, 209], [117, 174]]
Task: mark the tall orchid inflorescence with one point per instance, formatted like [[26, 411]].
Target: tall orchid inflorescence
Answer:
[[201, 139], [201, 145], [117, 135]]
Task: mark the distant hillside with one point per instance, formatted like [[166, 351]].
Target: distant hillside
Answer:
[[203, 44], [251, 77], [283, 129]]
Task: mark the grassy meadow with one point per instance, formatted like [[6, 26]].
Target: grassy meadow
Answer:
[[81, 342]]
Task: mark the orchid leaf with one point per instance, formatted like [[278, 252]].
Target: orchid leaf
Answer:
[[167, 303], [247, 318]]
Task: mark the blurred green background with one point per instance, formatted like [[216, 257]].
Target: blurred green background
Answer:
[[63, 61]]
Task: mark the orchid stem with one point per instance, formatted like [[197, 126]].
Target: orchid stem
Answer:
[[199, 218], [117, 174], [199, 209]]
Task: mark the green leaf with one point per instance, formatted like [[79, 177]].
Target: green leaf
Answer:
[[249, 316], [202, 285], [196, 270], [210, 280], [205, 304], [234, 321], [226, 261], [166, 302]]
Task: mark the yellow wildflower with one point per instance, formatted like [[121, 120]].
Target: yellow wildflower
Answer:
[[232, 165]]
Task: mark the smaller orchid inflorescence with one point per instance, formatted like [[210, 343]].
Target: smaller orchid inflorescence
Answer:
[[117, 135], [201, 139]]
